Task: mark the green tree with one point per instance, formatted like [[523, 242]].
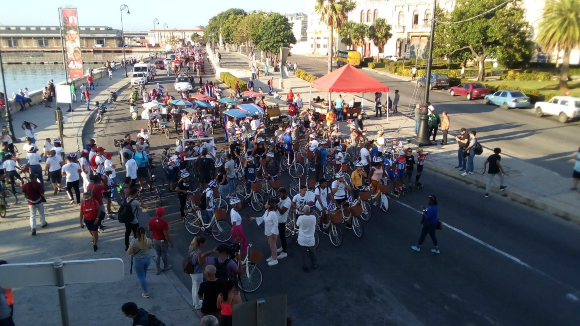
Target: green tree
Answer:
[[482, 35], [250, 28], [229, 29], [194, 37], [380, 33], [560, 31], [345, 33], [333, 13], [212, 30], [276, 32], [359, 33]]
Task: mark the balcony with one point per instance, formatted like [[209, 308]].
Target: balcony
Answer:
[[399, 29]]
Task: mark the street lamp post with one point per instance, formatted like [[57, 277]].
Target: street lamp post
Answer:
[[122, 9], [165, 27], [423, 132], [155, 21], [6, 101]]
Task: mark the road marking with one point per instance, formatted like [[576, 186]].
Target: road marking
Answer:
[[570, 296]]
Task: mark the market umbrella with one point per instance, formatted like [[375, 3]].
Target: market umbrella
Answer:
[[202, 97], [252, 94], [203, 104], [181, 102], [151, 104], [227, 100], [252, 109], [236, 113]]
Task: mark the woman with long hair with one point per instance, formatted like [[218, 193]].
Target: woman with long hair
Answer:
[[226, 300], [198, 262], [430, 222], [222, 179], [270, 220], [139, 249], [376, 173]]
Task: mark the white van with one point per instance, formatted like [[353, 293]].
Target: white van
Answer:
[[143, 68]]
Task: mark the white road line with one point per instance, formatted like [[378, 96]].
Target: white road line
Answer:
[[501, 252]]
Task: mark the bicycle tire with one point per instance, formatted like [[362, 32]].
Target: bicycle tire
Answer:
[[385, 205], [295, 170], [335, 235], [159, 183], [316, 240], [250, 279], [257, 202], [158, 196], [190, 224], [241, 189], [221, 231], [220, 203], [357, 227], [289, 228], [284, 164], [11, 198], [294, 188], [347, 178], [367, 212]]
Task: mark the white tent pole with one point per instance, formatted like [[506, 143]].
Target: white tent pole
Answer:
[[362, 103], [387, 106], [310, 100]]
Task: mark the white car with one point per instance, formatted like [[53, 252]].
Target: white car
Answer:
[[138, 78], [565, 107], [393, 58], [182, 83]]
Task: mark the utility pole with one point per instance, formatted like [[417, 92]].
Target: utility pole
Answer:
[[123, 8], [423, 134]]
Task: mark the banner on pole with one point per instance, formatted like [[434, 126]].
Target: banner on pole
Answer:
[[72, 43]]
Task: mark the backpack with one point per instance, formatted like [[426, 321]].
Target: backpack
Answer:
[[477, 149], [126, 213], [317, 156], [93, 163], [221, 271]]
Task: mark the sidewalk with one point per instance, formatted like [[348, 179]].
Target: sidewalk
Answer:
[[88, 304], [526, 183]]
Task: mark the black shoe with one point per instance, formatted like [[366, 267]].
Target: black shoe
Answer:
[[55, 191], [33, 231], [95, 248], [44, 225], [502, 188], [486, 195]]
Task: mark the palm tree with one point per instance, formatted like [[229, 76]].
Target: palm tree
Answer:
[[359, 33], [380, 33], [560, 31], [333, 13], [345, 33]]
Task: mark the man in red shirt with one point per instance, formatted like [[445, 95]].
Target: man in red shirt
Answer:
[[90, 210], [91, 82], [96, 189], [160, 235], [34, 192]]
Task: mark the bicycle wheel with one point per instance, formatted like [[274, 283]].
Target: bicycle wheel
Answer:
[[191, 223], [2, 210], [329, 172], [294, 188], [347, 178], [284, 164], [357, 227], [240, 189], [11, 199], [367, 213], [316, 240], [385, 205], [167, 133], [250, 279], [335, 235], [295, 170], [220, 203], [158, 196], [257, 202], [289, 228], [222, 231]]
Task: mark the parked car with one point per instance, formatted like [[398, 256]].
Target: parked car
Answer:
[[469, 90], [159, 64], [182, 83], [508, 99], [437, 81], [393, 58], [138, 78], [565, 107]]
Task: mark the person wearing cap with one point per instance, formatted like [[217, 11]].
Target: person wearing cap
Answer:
[[250, 170], [462, 141], [272, 167], [34, 194], [339, 188], [390, 165], [34, 160], [72, 171], [270, 219], [338, 159], [182, 188], [236, 220], [10, 164], [161, 238], [375, 176], [53, 168], [100, 160], [90, 211], [357, 178]]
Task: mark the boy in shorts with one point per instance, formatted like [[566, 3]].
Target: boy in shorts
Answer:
[[400, 162], [390, 170]]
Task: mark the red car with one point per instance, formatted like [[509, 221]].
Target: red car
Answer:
[[469, 90], [159, 64]]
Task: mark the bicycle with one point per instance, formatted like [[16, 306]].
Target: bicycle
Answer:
[[250, 278], [8, 198], [293, 230], [294, 168], [219, 227]]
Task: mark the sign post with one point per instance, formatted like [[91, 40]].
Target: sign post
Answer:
[[59, 273]]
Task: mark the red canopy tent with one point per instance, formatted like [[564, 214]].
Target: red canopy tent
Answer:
[[348, 79]]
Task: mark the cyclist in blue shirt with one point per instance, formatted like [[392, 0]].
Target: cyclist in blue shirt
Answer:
[[390, 166], [142, 161]]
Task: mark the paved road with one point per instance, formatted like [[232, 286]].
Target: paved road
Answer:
[[501, 263], [541, 141]]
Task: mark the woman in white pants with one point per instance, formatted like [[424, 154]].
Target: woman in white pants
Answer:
[[198, 262], [85, 170]]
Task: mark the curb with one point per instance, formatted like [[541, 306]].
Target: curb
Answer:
[[387, 74], [530, 202]]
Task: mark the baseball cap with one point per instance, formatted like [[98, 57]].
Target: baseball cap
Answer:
[[108, 155], [100, 149]]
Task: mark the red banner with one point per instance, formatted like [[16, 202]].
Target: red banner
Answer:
[[72, 43]]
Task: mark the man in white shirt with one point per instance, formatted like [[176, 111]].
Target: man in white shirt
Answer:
[[72, 171], [131, 168], [100, 160], [365, 157], [283, 210], [53, 165], [143, 134], [338, 158], [34, 160], [339, 189], [210, 146], [85, 170], [28, 146], [306, 239], [9, 165], [301, 200], [313, 143], [255, 123]]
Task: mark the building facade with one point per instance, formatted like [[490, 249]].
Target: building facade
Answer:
[[163, 37], [317, 33], [40, 37], [299, 23]]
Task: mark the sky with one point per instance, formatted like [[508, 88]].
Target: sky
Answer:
[[185, 15]]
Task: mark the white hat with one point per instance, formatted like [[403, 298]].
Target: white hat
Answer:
[[234, 200], [270, 154]]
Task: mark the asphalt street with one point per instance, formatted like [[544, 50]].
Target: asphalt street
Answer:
[[544, 142], [501, 263]]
